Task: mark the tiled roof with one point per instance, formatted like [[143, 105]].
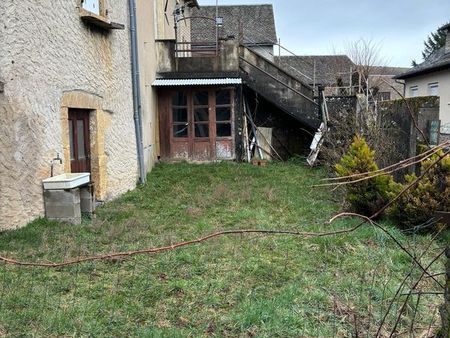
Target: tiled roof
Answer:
[[387, 71], [328, 68], [439, 60], [257, 22]]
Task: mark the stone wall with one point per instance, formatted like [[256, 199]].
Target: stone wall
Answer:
[[46, 51], [422, 109]]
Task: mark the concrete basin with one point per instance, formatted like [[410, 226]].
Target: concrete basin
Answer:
[[66, 181]]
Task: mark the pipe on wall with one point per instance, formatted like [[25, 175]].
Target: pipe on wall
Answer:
[[137, 106]]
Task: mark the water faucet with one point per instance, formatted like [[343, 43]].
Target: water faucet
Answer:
[[52, 163]]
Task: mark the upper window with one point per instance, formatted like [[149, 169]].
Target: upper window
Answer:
[[94, 12], [433, 89], [414, 91], [92, 6]]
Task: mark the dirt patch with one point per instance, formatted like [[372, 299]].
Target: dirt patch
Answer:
[[2, 331], [194, 211]]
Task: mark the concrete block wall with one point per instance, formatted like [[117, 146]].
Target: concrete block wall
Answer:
[[63, 205]]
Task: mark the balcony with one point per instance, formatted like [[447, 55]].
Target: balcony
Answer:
[[194, 59]]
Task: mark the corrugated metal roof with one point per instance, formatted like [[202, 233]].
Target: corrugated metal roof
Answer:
[[196, 82]]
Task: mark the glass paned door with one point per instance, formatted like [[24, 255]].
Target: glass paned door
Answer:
[[199, 121]]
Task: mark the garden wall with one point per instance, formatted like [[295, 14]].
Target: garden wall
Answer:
[[401, 115]]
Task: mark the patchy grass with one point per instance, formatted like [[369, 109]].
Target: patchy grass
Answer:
[[264, 286]]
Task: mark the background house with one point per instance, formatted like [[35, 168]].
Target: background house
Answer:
[[432, 78], [253, 25], [383, 83], [339, 76], [334, 72]]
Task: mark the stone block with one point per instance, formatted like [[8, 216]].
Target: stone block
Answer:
[[63, 211], [63, 205], [62, 197], [87, 199]]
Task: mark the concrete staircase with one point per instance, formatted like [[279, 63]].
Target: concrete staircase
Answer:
[[279, 87]]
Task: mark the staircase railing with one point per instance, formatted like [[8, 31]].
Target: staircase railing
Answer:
[[279, 71], [292, 94]]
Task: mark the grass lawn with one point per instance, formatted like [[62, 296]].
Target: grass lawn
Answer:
[[241, 286]]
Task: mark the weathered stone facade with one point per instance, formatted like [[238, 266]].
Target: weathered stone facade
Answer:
[[49, 60]]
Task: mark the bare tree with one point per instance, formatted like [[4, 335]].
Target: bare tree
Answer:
[[366, 54]]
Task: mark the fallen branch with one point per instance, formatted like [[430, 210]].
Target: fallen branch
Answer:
[[384, 171], [175, 246]]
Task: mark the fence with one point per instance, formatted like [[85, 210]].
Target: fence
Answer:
[[196, 37]]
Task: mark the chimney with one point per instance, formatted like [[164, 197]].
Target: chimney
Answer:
[[447, 42]]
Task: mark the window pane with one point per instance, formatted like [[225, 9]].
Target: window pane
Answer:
[[180, 130], [433, 89], [202, 130], [223, 129], [80, 139], [91, 6], [223, 114], [201, 99], [179, 99], [72, 156], [201, 114], [179, 114], [223, 97]]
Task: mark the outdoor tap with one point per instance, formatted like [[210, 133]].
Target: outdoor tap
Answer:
[[52, 163], [57, 158]]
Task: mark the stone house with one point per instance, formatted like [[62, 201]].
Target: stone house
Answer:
[[432, 78], [254, 25], [82, 91], [338, 75], [383, 83], [66, 92], [217, 83]]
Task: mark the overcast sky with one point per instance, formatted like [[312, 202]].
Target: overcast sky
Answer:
[[322, 26]]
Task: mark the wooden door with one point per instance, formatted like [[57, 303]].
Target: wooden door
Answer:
[[79, 136], [197, 124]]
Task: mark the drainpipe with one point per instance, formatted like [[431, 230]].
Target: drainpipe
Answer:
[[403, 83], [137, 107]]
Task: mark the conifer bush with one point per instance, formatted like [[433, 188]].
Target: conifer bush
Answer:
[[432, 193], [368, 196]]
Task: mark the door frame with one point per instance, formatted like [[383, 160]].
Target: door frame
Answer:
[[75, 115], [99, 121]]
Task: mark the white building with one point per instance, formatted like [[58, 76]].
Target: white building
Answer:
[[432, 78]]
